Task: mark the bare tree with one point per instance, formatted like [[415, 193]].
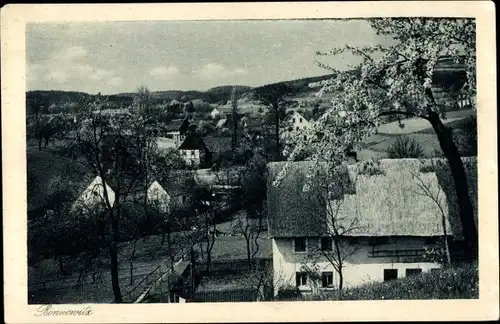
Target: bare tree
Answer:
[[434, 192], [235, 120], [251, 195], [325, 202], [112, 148]]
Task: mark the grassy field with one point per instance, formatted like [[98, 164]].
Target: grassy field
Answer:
[[229, 248], [458, 282], [149, 254], [418, 129]]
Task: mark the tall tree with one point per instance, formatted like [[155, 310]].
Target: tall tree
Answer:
[[142, 100], [397, 79], [235, 120], [336, 246], [274, 97], [113, 149], [251, 196]]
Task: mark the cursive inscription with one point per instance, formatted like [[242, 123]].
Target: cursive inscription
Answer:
[[48, 310]]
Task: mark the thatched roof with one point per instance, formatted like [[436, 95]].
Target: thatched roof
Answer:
[[290, 213], [385, 204]]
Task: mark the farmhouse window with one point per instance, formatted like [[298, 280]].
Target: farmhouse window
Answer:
[[326, 244], [300, 121], [390, 274], [327, 279], [297, 128], [413, 272], [300, 279], [305, 138], [294, 120], [300, 244]]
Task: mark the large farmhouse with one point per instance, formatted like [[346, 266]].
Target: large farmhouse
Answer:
[[393, 222]]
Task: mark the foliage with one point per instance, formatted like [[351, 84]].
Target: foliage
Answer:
[[370, 168], [466, 137], [405, 147]]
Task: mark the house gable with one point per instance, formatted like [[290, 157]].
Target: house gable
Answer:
[[93, 195]]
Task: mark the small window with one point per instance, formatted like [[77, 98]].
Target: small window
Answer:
[[390, 274], [327, 279], [305, 138], [297, 128], [300, 244], [300, 121], [413, 272], [300, 279], [326, 244], [294, 120]]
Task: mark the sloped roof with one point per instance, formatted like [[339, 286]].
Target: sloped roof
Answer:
[[178, 182], [218, 144], [289, 207], [383, 205], [50, 174], [176, 125], [193, 142], [221, 123]]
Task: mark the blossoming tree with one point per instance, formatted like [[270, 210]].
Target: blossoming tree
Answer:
[[397, 80]]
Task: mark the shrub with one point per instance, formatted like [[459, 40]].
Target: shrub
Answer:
[[405, 147], [370, 168]]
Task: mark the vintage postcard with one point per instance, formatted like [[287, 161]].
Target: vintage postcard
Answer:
[[239, 162]]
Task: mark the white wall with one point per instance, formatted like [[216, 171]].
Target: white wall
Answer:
[[93, 195], [358, 270], [191, 157], [156, 193]]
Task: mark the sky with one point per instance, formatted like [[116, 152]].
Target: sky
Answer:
[[115, 57]]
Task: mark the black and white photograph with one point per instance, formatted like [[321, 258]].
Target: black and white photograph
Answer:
[[252, 161]]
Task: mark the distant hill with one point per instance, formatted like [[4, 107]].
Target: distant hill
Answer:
[[217, 94]]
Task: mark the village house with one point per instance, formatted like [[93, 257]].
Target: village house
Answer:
[[172, 191], [252, 125], [177, 130], [297, 123], [193, 151], [215, 113], [93, 196], [393, 223]]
